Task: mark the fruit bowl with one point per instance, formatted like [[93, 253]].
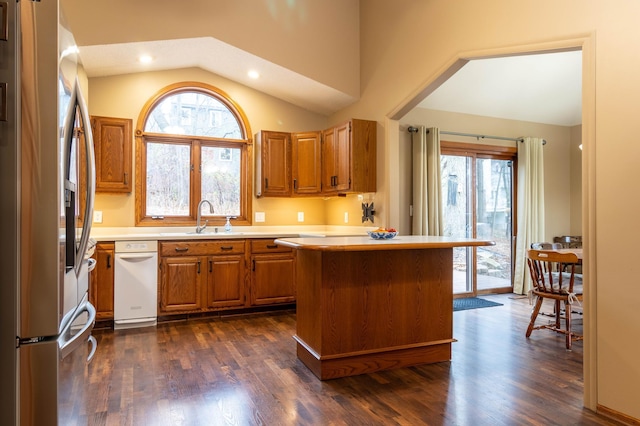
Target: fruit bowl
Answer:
[[382, 234]]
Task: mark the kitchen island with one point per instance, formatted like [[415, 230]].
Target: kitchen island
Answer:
[[367, 305]]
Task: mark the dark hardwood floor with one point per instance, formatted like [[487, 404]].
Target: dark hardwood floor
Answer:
[[243, 371]]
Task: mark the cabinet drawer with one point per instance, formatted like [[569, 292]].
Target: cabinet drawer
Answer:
[[201, 248], [268, 246]]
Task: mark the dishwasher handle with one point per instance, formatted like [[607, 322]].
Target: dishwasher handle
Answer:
[[137, 256]]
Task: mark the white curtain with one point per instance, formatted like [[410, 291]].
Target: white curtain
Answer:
[[427, 186], [530, 207]]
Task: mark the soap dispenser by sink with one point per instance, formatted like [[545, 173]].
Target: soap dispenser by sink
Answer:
[[227, 226]]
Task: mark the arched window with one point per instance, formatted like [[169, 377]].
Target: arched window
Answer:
[[192, 145]]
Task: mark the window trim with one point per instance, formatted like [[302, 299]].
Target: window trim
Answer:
[[195, 142]]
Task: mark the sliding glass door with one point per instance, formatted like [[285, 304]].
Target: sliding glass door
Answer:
[[478, 194]]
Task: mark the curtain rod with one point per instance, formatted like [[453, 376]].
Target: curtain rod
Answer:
[[474, 135]]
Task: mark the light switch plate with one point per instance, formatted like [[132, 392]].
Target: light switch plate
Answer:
[[259, 217], [346, 217], [300, 216]]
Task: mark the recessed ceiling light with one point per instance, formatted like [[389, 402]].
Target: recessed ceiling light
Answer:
[[145, 59], [253, 74]]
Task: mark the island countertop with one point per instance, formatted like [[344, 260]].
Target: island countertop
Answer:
[[362, 243]]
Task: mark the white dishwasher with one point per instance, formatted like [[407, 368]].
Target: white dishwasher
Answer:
[[135, 290]]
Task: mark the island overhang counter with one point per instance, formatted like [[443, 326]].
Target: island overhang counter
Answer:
[[366, 305]]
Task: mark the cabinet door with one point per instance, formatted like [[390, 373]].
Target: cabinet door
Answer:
[[276, 163], [306, 163], [363, 155], [329, 171], [101, 285], [112, 141], [181, 288], [273, 279], [342, 135], [225, 281]]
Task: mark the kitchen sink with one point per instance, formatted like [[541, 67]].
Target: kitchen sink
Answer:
[[194, 233]]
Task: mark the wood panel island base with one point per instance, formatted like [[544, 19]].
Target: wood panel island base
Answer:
[[367, 305]]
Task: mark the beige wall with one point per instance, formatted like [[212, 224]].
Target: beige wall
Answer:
[[576, 180], [556, 155], [124, 96], [319, 32], [406, 45]]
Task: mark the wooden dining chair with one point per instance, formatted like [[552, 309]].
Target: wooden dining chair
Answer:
[[554, 277]]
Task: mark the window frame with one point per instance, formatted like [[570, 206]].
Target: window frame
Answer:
[[195, 142]]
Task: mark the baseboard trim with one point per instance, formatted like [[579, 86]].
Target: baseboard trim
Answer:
[[616, 415]]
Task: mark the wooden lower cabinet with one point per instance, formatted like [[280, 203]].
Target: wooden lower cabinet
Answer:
[[213, 275], [273, 273], [101, 281], [181, 284], [225, 281], [201, 276]]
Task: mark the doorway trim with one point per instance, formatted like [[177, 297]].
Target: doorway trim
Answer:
[[586, 44]]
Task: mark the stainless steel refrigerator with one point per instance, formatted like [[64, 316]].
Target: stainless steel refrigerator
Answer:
[[47, 185]]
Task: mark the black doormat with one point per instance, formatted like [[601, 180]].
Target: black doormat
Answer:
[[472, 303]]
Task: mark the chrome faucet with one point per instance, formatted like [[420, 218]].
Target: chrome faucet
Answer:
[[199, 228]]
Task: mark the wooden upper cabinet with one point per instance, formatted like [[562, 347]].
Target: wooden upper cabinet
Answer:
[[274, 167], [112, 138], [339, 160], [349, 158], [306, 163]]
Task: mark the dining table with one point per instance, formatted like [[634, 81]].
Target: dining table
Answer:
[[576, 251]]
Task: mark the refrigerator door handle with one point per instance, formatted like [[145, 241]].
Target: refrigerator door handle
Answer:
[[69, 342], [94, 346], [77, 99]]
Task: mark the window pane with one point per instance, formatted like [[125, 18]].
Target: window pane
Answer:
[[456, 200], [193, 113], [221, 179], [168, 171], [493, 219]]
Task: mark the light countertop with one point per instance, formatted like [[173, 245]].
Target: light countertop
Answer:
[[188, 233], [365, 243]]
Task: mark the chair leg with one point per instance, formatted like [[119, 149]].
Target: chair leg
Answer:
[[557, 309], [567, 310], [534, 315]]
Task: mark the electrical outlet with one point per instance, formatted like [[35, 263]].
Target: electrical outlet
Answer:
[[259, 217], [97, 216], [300, 216], [346, 217]]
